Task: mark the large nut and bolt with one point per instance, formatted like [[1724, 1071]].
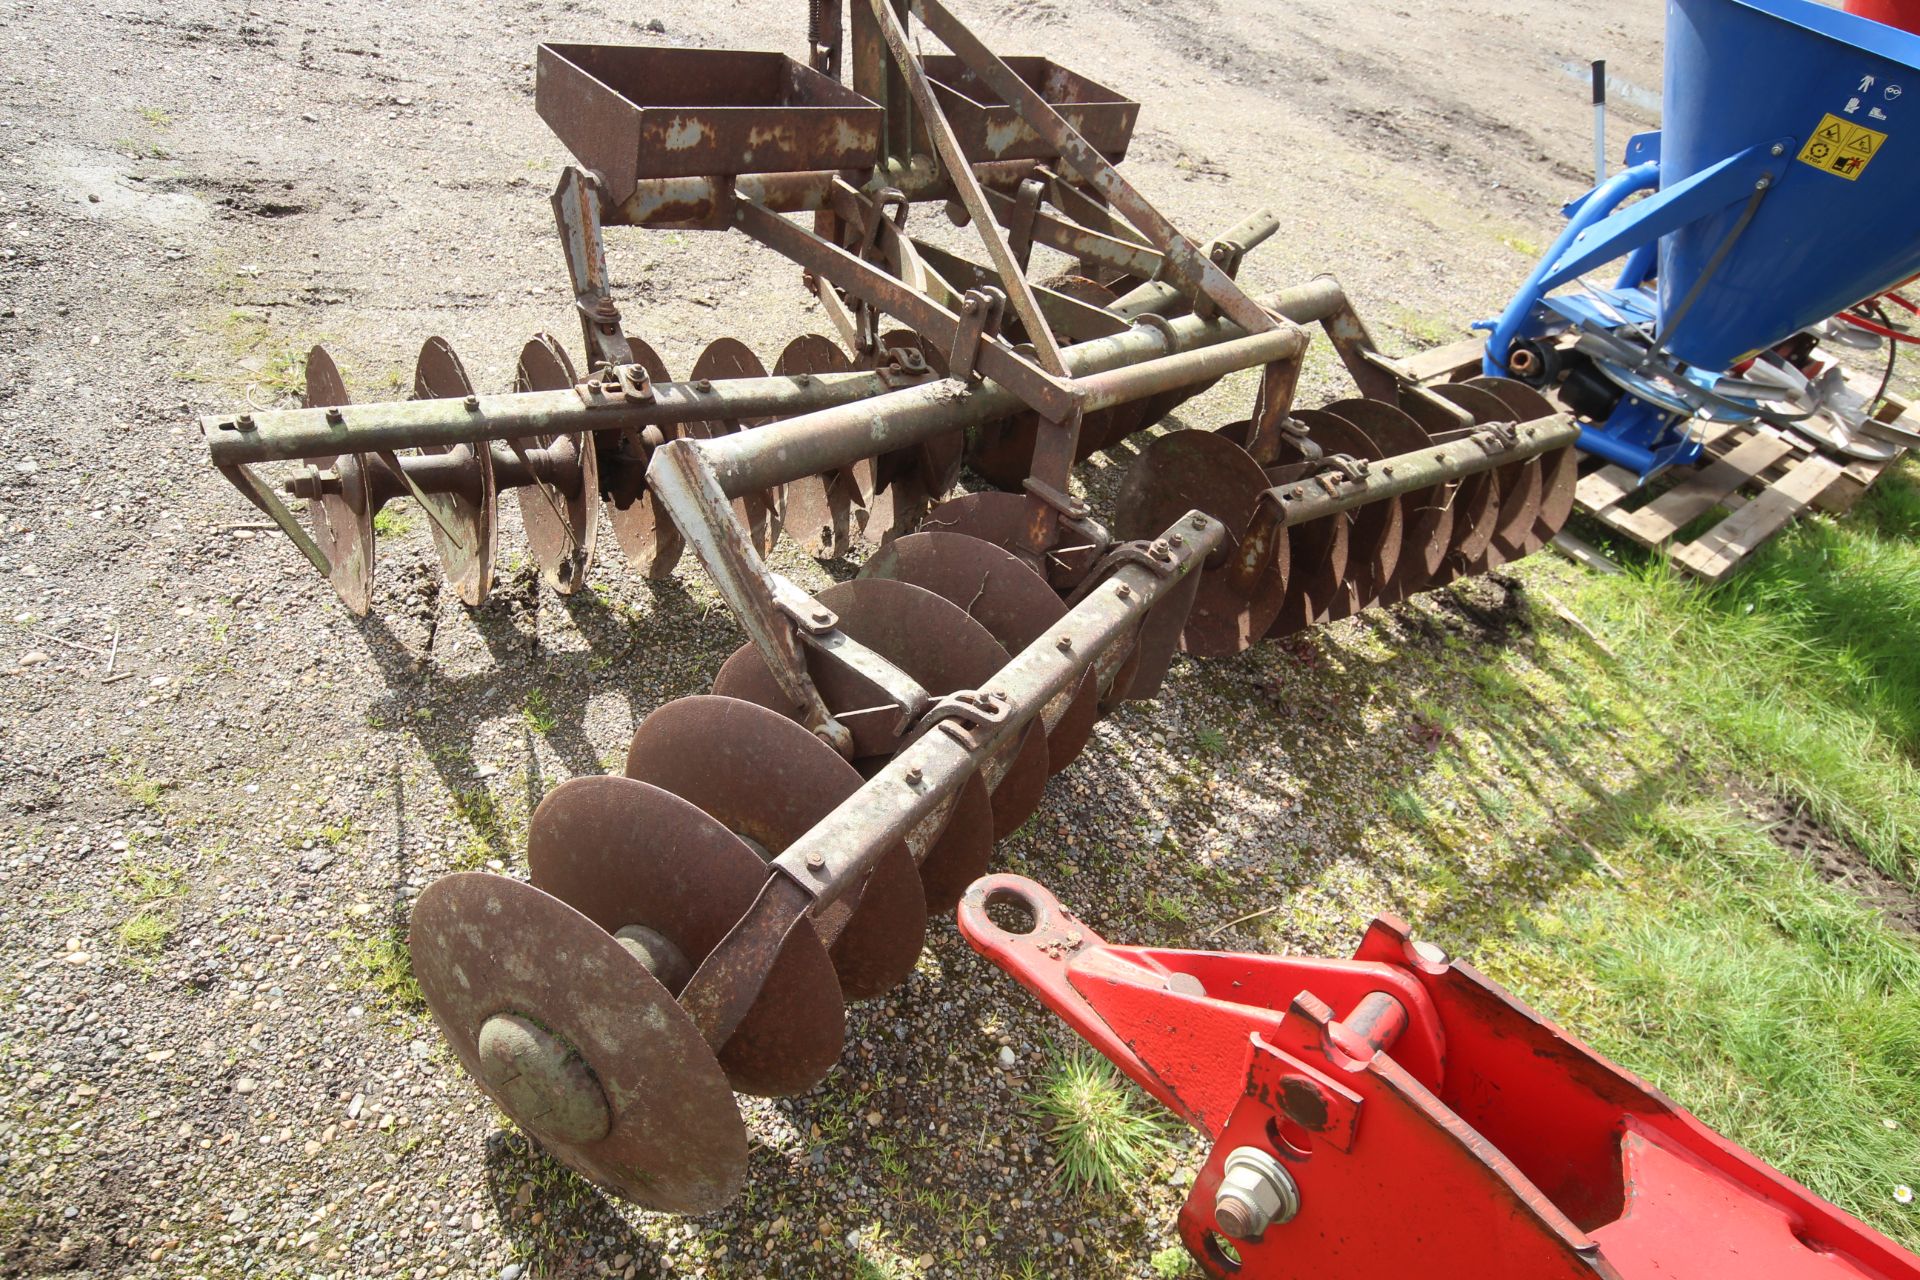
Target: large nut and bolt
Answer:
[[1255, 1193]]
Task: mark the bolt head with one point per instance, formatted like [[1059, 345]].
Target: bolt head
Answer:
[[914, 776], [704, 384], [1779, 150], [472, 403], [822, 617], [1198, 522], [815, 862], [1123, 591], [1064, 644], [1177, 540]]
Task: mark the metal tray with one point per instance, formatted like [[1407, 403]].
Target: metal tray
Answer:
[[989, 129], [637, 111]]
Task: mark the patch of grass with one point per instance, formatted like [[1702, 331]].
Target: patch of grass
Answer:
[[1105, 1135], [538, 712], [1801, 670], [1405, 804], [147, 933], [1173, 1262], [1521, 245], [385, 964], [1780, 1009], [157, 117], [390, 522], [1213, 741], [141, 788]]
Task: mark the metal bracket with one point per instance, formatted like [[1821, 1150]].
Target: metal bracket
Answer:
[[981, 311], [1019, 222], [965, 714], [576, 209], [615, 387]]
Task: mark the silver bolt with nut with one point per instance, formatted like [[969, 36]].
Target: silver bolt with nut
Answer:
[[1255, 1193]]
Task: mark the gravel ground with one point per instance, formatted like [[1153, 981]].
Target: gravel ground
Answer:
[[219, 792]]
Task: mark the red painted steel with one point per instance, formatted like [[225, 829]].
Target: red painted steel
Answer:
[[1904, 14], [1449, 1130]]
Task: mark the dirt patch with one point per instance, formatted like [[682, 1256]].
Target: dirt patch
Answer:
[[1838, 862]]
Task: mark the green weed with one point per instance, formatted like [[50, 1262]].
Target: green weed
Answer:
[[1102, 1131]]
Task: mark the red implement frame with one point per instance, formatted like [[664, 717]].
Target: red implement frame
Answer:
[[1428, 1120]]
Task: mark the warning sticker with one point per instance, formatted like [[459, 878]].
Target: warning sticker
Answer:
[[1841, 147]]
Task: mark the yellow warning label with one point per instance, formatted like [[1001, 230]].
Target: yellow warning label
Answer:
[[1841, 147]]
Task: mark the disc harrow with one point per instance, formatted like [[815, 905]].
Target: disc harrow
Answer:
[[695, 927]]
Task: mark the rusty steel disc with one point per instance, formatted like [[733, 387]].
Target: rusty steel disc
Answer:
[[893, 485], [760, 512], [342, 522], [463, 521], [1375, 530], [768, 781], [1520, 482], [611, 1075], [561, 513], [624, 853], [1559, 468], [1010, 600], [1319, 551], [1427, 513], [1005, 520], [640, 525], [958, 846], [825, 512], [1243, 585], [935, 643]]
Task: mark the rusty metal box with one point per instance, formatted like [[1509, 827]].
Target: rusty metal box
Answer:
[[989, 129], [637, 111]]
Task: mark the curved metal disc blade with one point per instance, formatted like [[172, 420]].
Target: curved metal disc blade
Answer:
[[766, 779], [760, 512], [640, 525], [342, 522], [1241, 589], [935, 643], [486, 946], [1376, 528], [960, 853], [622, 852], [561, 514], [1319, 552], [1014, 603], [462, 520], [1559, 470], [1520, 482], [1427, 513], [824, 512]]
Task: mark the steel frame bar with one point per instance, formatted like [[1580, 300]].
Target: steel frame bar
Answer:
[[1184, 261], [1483, 450], [918, 783]]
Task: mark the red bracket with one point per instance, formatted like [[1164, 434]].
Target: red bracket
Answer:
[[1414, 1117]]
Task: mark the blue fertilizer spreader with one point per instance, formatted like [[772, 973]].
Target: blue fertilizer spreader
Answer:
[[1783, 189]]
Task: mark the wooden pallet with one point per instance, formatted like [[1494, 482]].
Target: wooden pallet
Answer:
[[1760, 477]]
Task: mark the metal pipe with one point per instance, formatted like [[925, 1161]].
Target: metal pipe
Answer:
[[782, 452], [1483, 450], [280, 435], [1188, 368], [707, 202], [1157, 296]]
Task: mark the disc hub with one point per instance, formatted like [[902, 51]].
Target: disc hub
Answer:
[[543, 1080]]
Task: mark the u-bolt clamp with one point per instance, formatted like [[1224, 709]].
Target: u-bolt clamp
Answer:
[[965, 714], [1497, 437]]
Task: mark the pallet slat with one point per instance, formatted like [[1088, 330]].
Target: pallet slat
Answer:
[[1718, 551], [1700, 492]]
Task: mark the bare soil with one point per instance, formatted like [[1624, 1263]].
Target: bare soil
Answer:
[[219, 792]]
